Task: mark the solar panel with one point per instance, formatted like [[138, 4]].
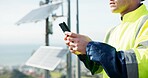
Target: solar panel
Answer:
[[47, 57], [39, 14]]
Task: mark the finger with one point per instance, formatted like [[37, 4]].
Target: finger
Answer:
[[71, 34], [74, 40], [67, 42], [71, 50], [75, 48], [65, 38], [71, 44], [67, 33], [74, 51]]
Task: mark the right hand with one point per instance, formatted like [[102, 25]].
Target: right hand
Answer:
[[76, 42]]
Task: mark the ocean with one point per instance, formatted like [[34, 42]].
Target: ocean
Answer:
[[16, 54]]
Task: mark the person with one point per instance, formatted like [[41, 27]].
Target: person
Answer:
[[124, 52]]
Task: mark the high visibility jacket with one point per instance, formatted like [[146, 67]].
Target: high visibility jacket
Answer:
[[125, 51]]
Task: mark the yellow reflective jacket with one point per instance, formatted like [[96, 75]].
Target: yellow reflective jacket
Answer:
[[132, 35], [125, 51]]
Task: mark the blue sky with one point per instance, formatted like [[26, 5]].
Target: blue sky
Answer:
[[95, 20]]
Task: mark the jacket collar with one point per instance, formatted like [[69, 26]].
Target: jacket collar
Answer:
[[134, 15]]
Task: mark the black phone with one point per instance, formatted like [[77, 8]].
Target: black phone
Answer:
[[64, 27]]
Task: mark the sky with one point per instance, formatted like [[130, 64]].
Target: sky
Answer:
[[12, 11], [95, 18], [94, 15]]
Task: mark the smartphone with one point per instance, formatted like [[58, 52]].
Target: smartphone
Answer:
[[64, 27]]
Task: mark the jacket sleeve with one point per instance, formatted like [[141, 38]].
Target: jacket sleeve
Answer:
[[120, 64], [103, 56], [141, 51], [108, 58], [91, 65]]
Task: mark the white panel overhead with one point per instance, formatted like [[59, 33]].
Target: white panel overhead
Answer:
[[39, 14]]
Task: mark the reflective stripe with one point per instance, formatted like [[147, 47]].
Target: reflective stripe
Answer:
[[108, 35], [143, 44], [131, 64], [141, 24]]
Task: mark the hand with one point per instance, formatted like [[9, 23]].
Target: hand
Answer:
[[76, 42]]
